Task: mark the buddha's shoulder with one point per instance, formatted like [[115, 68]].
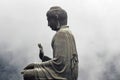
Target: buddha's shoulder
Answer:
[[63, 33]]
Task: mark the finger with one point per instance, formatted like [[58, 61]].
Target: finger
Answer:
[[39, 45]]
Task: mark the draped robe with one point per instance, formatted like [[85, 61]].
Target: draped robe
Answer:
[[64, 65]]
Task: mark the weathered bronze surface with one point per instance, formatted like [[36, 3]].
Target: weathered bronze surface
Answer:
[[64, 64]]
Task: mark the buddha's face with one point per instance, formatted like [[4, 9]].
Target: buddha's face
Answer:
[[53, 23]]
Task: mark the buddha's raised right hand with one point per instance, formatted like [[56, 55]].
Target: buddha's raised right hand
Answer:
[[41, 53]]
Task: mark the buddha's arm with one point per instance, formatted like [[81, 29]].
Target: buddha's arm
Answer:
[[34, 65], [41, 54], [45, 58]]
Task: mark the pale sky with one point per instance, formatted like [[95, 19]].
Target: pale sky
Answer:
[[94, 23]]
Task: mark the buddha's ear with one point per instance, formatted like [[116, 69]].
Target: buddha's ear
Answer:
[[58, 24], [56, 16]]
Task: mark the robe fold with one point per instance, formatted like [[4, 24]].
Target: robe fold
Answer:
[[64, 65]]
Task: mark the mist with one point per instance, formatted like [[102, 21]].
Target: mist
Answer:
[[94, 23]]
